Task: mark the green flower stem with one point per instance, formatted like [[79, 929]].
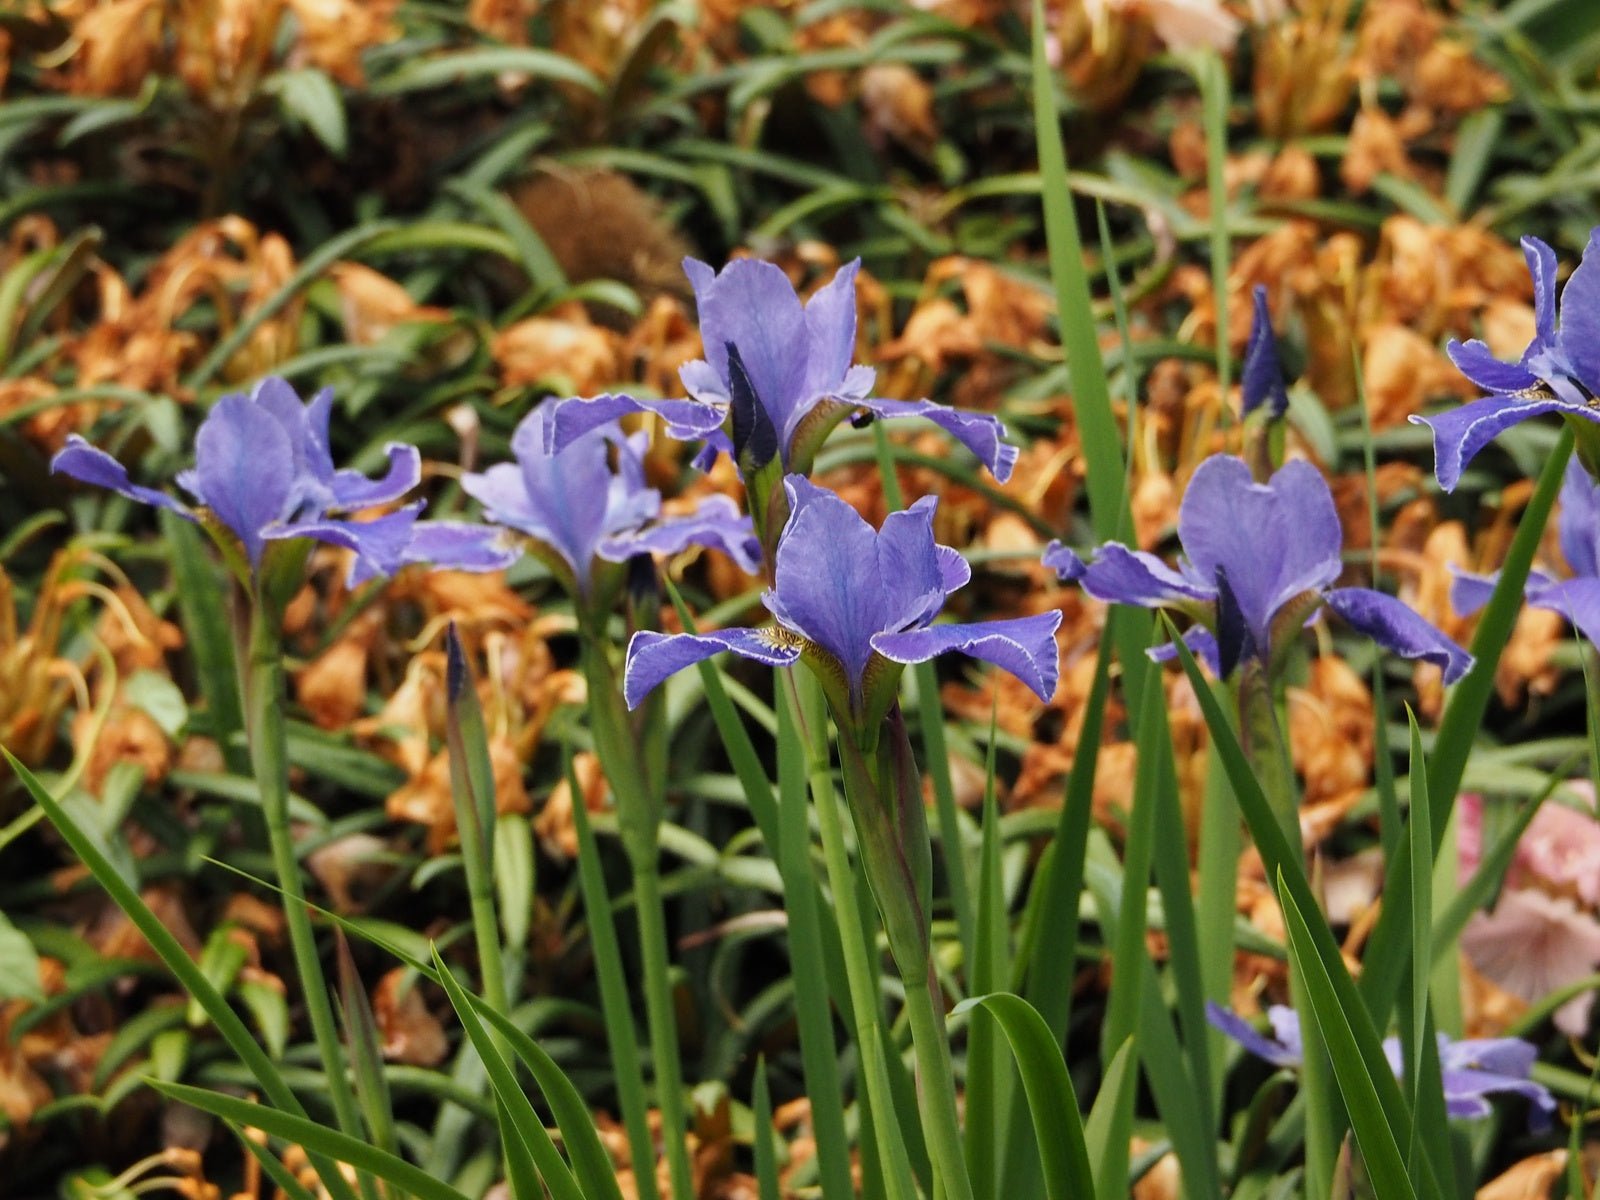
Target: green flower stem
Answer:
[[884, 794], [1262, 736], [860, 969], [263, 689], [639, 814]]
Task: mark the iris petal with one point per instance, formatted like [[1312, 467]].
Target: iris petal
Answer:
[[1460, 433], [982, 433], [88, 464], [1024, 646], [245, 470], [1398, 628], [653, 657]]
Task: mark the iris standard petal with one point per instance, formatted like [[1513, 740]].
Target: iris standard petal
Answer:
[[830, 323], [1274, 540], [1236, 1027], [352, 490], [89, 464], [1398, 628], [909, 566], [1578, 524], [1578, 600], [1479, 364], [652, 657], [1261, 381], [245, 470], [1024, 646], [827, 585], [1119, 575], [1459, 433], [569, 491], [717, 524], [1542, 266], [1580, 317], [982, 433], [461, 546], [752, 304]]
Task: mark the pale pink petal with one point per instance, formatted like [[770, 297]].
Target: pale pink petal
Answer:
[[1533, 944]]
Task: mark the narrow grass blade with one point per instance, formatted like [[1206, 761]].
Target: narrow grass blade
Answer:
[[1360, 1070], [765, 1138], [1052, 1104], [315, 1138], [1109, 1129], [177, 960], [366, 1050], [205, 624], [621, 1039], [1419, 837], [1384, 963], [520, 1121], [988, 1101], [590, 1163]]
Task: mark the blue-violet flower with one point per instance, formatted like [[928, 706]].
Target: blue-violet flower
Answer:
[[858, 603], [263, 472], [1473, 1069], [1260, 559], [588, 502], [1559, 371], [797, 358], [1261, 382]]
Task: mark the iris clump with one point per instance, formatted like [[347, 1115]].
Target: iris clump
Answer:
[[1577, 597], [797, 358], [587, 503], [263, 474], [1559, 372], [1473, 1069], [857, 603], [1259, 561]]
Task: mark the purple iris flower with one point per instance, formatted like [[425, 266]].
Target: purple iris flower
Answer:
[[1559, 371], [1472, 1069], [1577, 598], [263, 470], [857, 602], [1262, 380], [1260, 559], [796, 358], [589, 502]]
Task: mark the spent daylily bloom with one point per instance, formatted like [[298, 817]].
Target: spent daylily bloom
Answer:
[[1259, 561], [588, 503], [1473, 1069], [1559, 372], [796, 358], [1577, 597], [263, 472], [1261, 382], [857, 603]]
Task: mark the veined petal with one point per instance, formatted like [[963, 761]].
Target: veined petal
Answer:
[[830, 321], [1578, 600], [352, 490], [827, 584], [1469, 592], [652, 657], [1580, 317], [89, 464], [1024, 646], [717, 523], [1278, 1053], [1398, 628], [461, 546], [1202, 644], [982, 433], [1274, 540], [912, 571], [1478, 363], [700, 380], [1064, 561], [1119, 575], [380, 545], [752, 304], [1578, 524], [1542, 265], [245, 470], [686, 420], [1460, 433]]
